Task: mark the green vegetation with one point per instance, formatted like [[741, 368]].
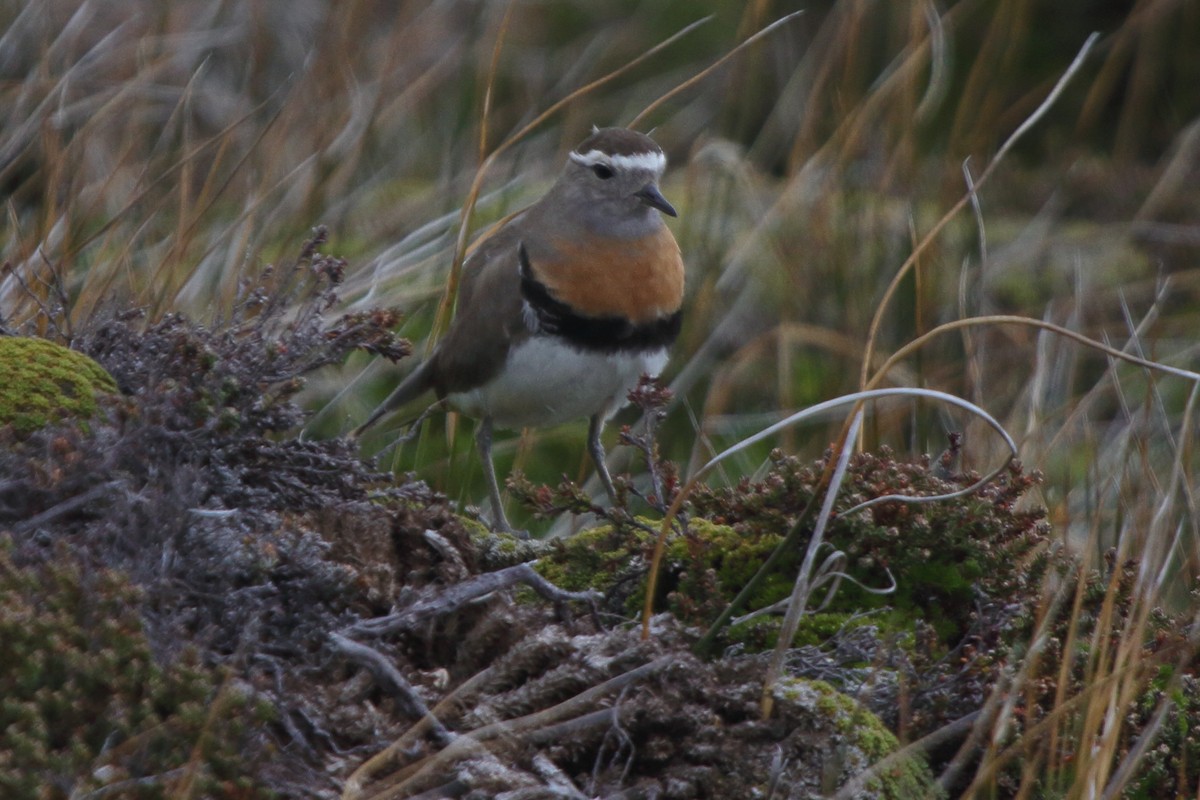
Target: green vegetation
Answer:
[[44, 381], [867, 740], [87, 704]]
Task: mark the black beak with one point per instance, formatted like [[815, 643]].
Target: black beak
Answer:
[[651, 196]]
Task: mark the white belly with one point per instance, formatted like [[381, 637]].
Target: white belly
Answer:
[[545, 382]]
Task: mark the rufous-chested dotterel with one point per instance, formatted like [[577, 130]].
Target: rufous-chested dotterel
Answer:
[[565, 306]]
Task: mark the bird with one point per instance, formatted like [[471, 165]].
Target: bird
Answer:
[[564, 306]]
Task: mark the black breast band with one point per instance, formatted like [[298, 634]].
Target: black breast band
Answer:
[[598, 334]]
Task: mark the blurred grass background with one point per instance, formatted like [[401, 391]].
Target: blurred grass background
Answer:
[[157, 154]]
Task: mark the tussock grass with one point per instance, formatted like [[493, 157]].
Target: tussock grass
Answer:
[[830, 179]]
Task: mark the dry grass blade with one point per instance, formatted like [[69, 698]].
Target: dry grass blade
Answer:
[[1003, 319], [998, 757], [486, 114], [704, 73], [389, 756], [935, 231], [800, 589]]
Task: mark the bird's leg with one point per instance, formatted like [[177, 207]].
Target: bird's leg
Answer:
[[483, 439], [598, 455]]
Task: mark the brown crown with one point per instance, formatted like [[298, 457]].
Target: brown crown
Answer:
[[618, 142]]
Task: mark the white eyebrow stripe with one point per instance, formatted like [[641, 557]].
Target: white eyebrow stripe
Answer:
[[651, 162]]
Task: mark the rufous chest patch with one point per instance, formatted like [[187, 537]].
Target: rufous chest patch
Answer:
[[638, 279]]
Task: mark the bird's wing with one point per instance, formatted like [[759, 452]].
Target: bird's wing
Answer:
[[488, 319]]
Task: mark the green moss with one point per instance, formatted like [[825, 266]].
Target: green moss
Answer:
[[734, 558], [702, 571], [43, 381], [497, 550], [863, 731], [594, 558], [760, 633]]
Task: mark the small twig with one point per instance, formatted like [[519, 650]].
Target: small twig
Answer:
[[55, 286], [563, 731], [391, 680], [515, 731], [623, 744], [449, 553], [652, 398], [776, 772], [557, 781], [445, 708], [445, 600], [67, 506]]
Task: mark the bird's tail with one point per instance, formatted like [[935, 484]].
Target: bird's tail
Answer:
[[416, 383]]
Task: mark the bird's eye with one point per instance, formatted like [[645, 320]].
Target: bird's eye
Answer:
[[603, 171]]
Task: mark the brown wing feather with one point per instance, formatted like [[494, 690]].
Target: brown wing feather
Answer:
[[487, 322]]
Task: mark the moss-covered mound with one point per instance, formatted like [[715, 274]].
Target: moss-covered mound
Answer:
[[41, 381]]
